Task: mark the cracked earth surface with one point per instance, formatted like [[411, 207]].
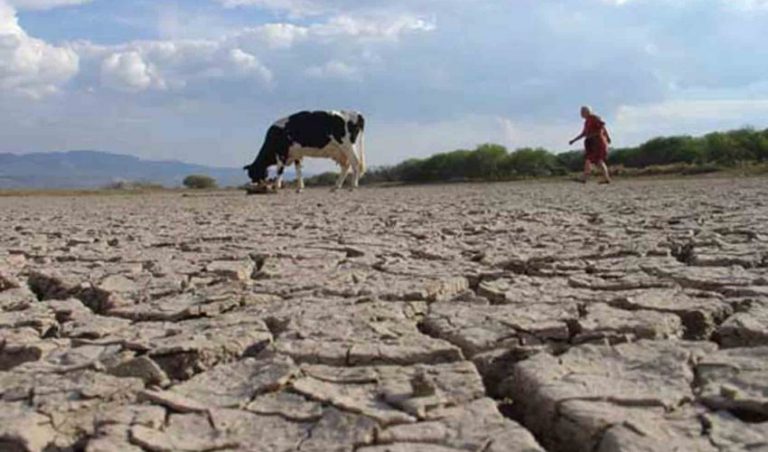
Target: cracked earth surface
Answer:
[[504, 317]]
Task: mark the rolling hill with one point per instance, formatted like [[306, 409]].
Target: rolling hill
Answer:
[[94, 169]]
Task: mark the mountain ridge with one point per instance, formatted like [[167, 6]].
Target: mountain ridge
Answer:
[[96, 169]]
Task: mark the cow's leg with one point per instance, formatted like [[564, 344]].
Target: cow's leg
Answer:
[[355, 164], [361, 152], [355, 177], [280, 169], [299, 178], [342, 177]]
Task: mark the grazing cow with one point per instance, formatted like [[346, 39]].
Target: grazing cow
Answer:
[[337, 135]]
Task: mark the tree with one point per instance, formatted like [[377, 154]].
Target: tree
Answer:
[[573, 161], [529, 162], [749, 144], [723, 149], [199, 182], [446, 166], [686, 154], [486, 162], [410, 171]]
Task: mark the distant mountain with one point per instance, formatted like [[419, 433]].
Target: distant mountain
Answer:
[[94, 169]]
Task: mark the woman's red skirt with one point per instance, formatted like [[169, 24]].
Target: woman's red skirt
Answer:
[[596, 149]]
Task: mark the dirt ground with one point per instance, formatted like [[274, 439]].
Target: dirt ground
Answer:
[[494, 317]]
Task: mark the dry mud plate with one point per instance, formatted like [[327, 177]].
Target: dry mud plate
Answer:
[[510, 317]]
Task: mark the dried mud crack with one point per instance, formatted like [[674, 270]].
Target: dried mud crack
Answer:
[[503, 317]]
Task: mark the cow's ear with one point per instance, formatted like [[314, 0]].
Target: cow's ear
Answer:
[[247, 167]]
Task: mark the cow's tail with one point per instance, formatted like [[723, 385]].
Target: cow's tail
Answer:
[[361, 158]]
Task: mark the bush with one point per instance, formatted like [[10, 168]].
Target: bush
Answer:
[[658, 156], [128, 185], [199, 182], [573, 161], [484, 163], [322, 180], [528, 162]]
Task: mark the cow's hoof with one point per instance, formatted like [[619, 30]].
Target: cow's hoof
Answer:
[[299, 191]]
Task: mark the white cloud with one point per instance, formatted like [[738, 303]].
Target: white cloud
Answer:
[[391, 142], [246, 64], [275, 35], [30, 66], [44, 4], [128, 71], [550, 135], [748, 5], [9, 24], [295, 7], [741, 4], [173, 65], [674, 117], [36, 68], [334, 31], [693, 110], [309, 8], [334, 70], [372, 28]]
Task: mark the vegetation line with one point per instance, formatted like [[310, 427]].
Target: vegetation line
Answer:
[[492, 162]]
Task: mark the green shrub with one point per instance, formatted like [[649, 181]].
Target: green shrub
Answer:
[[529, 162], [199, 182], [128, 185], [322, 180], [572, 161], [657, 156]]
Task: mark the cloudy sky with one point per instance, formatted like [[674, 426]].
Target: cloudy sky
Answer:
[[200, 80]]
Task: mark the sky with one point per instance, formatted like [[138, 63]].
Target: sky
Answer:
[[201, 80]]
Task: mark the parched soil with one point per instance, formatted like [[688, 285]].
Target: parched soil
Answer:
[[499, 317]]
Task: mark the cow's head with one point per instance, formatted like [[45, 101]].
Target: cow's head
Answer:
[[355, 126], [274, 144], [257, 172]]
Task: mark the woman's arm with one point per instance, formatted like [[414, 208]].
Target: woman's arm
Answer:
[[581, 135]]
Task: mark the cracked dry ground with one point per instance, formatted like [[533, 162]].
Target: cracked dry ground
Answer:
[[509, 317]]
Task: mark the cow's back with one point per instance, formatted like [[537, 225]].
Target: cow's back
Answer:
[[314, 129]]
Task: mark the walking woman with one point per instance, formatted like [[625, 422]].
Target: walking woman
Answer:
[[595, 144]]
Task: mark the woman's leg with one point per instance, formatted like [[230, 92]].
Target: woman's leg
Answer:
[[606, 173], [587, 169]]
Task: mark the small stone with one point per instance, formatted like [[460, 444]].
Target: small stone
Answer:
[[234, 270], [144, 368], [173, 401], [423, 385]]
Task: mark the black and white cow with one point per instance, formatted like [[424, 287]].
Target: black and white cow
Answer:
[[337, 135]]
